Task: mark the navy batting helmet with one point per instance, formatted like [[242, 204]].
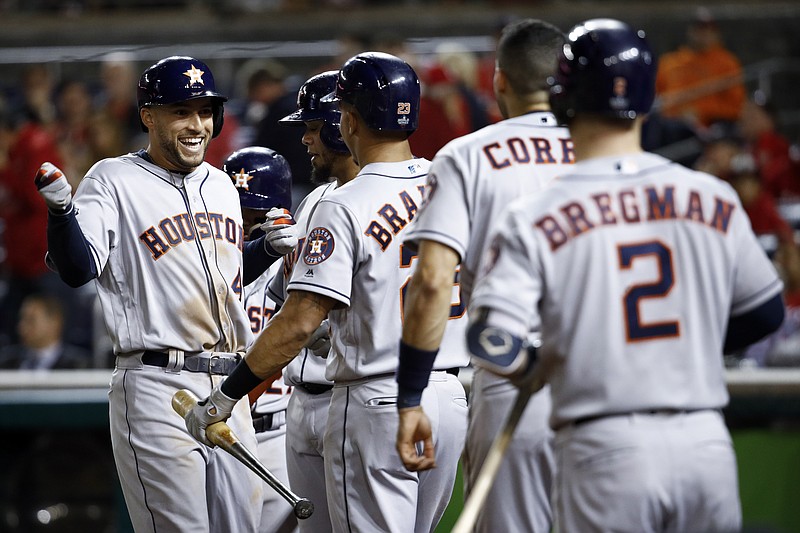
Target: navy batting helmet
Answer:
[[383, 88], [262, 177], [606, 68], [310, 107], [176, 79]]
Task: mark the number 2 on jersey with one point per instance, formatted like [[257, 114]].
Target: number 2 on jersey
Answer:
[[406, 258], [637, 330]]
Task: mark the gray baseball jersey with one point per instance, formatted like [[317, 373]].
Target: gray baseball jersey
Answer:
[[144, 225], [307, 412], [356, 256], [472, 180], [353, 253], [269, 412], [633, 265], [168, 248]]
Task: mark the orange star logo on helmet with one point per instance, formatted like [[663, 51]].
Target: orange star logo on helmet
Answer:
[[195, 75], [241, 179]]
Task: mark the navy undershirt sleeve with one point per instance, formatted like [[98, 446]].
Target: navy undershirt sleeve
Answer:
[[754, 325], [69, 249], [256, 258]]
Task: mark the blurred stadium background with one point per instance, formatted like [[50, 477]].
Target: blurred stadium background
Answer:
[[59, 473]]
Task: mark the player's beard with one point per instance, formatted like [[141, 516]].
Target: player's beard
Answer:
[[322, 173], [181, 161]]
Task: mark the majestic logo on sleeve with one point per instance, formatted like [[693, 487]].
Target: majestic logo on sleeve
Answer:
[[319, 246], [195, 75]]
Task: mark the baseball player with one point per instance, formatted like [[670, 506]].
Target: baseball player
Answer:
[[263, 179], [640, 272], [353, 270], [160, 232], [472, 180], [307, 412]]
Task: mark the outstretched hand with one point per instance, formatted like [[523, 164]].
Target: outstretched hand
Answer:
[[53, 187], [415, 427]]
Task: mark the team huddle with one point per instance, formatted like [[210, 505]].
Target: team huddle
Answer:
[[548, 250]]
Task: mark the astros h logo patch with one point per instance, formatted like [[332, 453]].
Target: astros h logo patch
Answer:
[[319, 246]]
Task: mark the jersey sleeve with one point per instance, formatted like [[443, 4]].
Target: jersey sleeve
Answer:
[[98, 216], [510, 281], [444, 215], [755, 278], [327, 261]]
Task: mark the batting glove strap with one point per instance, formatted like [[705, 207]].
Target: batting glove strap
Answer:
[[215, 408], [280, 232], [54, 188], [413, 371], [496, 350]]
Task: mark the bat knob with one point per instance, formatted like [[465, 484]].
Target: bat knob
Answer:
[[303, 508]]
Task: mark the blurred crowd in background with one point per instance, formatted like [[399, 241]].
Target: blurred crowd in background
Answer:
[[705, 117]]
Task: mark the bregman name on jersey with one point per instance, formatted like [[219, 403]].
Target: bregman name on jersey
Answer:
[[630, 206]]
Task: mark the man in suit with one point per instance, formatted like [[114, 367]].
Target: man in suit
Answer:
[[40, 328]]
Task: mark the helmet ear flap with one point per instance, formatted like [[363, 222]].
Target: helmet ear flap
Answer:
[[330, 135], [218, 115]]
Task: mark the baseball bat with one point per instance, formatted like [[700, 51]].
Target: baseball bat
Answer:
[[485, 479], [223, 436]]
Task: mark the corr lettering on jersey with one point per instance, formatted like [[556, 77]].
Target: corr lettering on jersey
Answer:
[[536, 150], [631, 206], [172, 231], [392, 219]]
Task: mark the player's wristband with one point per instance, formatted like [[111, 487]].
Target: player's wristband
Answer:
[[240, 381], [413, 372]]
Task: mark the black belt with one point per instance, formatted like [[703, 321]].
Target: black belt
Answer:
[[222, 366], [453, 371], [269, 421], [650, 412], [315, 388]]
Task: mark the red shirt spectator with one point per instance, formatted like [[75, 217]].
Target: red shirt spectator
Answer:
[[21, 207]]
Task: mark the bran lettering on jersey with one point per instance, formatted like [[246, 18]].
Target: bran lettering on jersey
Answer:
[[515, 150], [393, 222], [172, 231], [602, 209]]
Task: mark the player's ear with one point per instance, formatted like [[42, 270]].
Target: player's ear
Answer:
[[146, 116], [500, 81]]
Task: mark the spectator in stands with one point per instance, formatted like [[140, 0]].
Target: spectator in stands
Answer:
[[260, 83], [40, 327], [117, 97], [443, 113], [74, 110], [701, 82], [727, 159], [772, 152], [285, 141], [27, 143]]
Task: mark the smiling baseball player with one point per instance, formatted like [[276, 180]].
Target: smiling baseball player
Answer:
[[640, 272], [160, 231], [353, 270], [472, 180]]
